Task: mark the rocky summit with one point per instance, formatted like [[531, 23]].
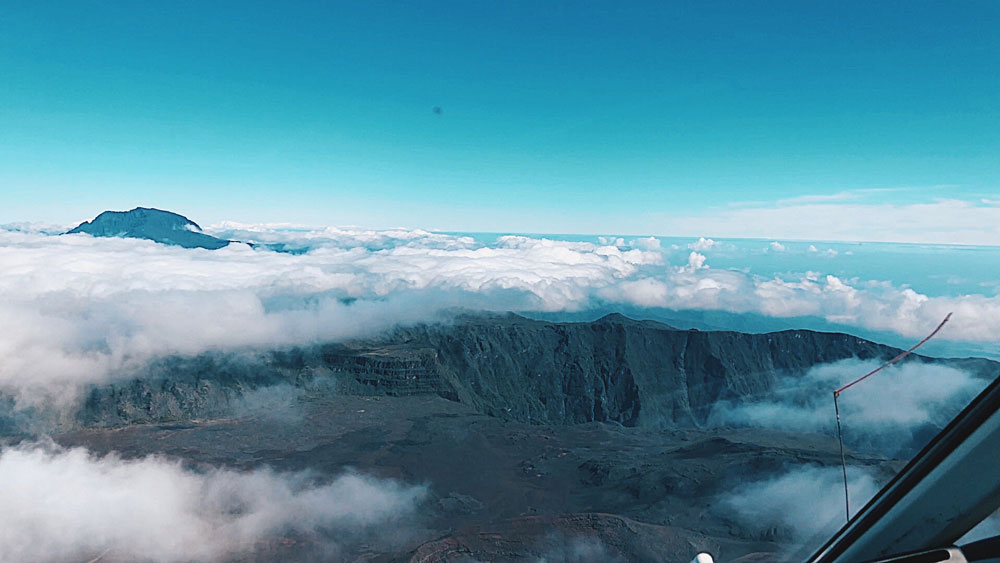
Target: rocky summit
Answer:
[[156, 225]]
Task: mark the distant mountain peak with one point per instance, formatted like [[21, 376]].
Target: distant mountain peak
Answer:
[[618, 318], [165, 227], [615, 318]]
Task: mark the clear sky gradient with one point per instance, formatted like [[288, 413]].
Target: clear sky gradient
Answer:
[[589, 117]]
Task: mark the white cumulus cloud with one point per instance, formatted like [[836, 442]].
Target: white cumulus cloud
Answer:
[[648, 243], [76, 310], [64, 505], [702, 244]]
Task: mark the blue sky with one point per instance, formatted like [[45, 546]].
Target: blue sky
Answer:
[[722, 119]]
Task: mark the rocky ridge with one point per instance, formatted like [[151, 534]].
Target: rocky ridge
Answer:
[[614, 369]]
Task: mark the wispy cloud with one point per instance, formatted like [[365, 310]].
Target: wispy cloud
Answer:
[[842, 218], [822, 198], [853, 195]]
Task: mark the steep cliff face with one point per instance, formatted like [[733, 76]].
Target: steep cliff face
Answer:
[[636, 373], [182, 388], [616, 369], [215, 385]]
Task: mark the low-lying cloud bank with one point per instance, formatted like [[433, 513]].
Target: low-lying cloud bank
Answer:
[[63, 505], [893, 413], [76, 310], [802, 505]]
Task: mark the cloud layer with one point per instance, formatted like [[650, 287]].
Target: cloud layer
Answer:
[[76, 309], [69, 505], [924, 398]]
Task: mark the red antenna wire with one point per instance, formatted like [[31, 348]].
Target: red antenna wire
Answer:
[[838, 391], [894, 360]]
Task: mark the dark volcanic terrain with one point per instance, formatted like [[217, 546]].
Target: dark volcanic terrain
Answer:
[[500, 490], [537, 440]]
